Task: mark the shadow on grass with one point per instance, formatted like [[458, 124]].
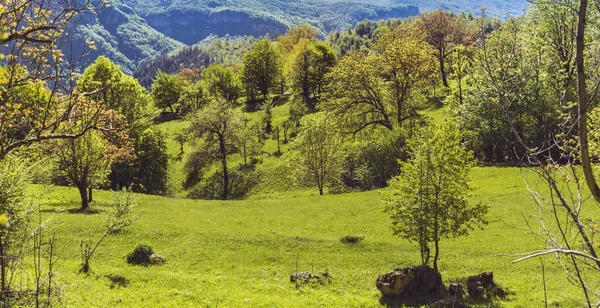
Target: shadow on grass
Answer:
[[83, 211], [397, 302], [117, 281]]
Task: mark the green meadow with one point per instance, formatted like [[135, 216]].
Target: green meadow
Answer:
[[241, 253]]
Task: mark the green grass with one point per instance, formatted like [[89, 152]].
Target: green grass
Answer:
[[241, 253]]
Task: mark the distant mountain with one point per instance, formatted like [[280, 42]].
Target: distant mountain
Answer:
[[130, 31], [121, 35], [190, 21]]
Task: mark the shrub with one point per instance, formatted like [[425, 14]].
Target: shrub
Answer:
[[140, 255], [352, 239]]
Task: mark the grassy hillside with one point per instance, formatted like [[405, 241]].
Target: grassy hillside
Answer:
[[241, 253]]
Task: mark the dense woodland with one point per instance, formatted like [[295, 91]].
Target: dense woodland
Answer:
[[521, 91]]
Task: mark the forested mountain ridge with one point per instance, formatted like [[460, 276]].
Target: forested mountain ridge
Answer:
[[121, 35], [129, 31], [192, 21]]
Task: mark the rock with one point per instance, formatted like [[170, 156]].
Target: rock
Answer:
[[483, 284], [300, 277], [411, 283], [456, 290], [306, 277], [156, 259]]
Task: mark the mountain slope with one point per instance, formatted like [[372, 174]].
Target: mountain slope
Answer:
[[192, 21], [120, 34]]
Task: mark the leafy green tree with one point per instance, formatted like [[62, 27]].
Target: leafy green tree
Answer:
[[317, 153], [166, 90], [221, 81], [193, 97], [510, 92], [428, 200], [383, 88], [114, 89], [306, 67], [216, 128], [261, 69], [444, 31], [286, 43], [39, 101], [152, 163], [85, 162], [247, 143]]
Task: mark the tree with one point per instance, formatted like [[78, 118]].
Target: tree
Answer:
[[444, 32], [247, 142], [428, 200], [222, 82], [286, 43], [306, 67], [193, 97], [152, 163], [166, 90], [317, 153], [261, 68], [381, 88], [114, 89], [85, 162], [39, 101], [217, 127]]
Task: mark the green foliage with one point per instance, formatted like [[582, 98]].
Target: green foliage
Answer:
[[241, 181], [372, 162], [16, 206], [510, 87], [306, 67], [115, 89], [222, 82], [151, 163], [166, 90], [384, 88], [193, 97], [428, 201], [216, 128], [84, 162], [317, 153], [216, 51], [261, 69]]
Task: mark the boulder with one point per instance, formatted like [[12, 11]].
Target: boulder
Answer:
[[411, 283], [483, 284]]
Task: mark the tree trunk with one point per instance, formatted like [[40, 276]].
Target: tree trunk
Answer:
[[223, 151], [84, 196], [320, 189], [90, 199], [582, 102], [443, 70]]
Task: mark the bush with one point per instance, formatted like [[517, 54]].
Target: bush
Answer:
[[140, 255], [352, 239]]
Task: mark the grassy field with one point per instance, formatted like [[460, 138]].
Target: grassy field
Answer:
[[241, 253]]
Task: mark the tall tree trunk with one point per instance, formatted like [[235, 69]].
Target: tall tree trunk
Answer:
[[443, 69], [582, 102], [90, 199], [223, 150], [84, 196]]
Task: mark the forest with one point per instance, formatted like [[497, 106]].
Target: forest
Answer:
[[402, 157]]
